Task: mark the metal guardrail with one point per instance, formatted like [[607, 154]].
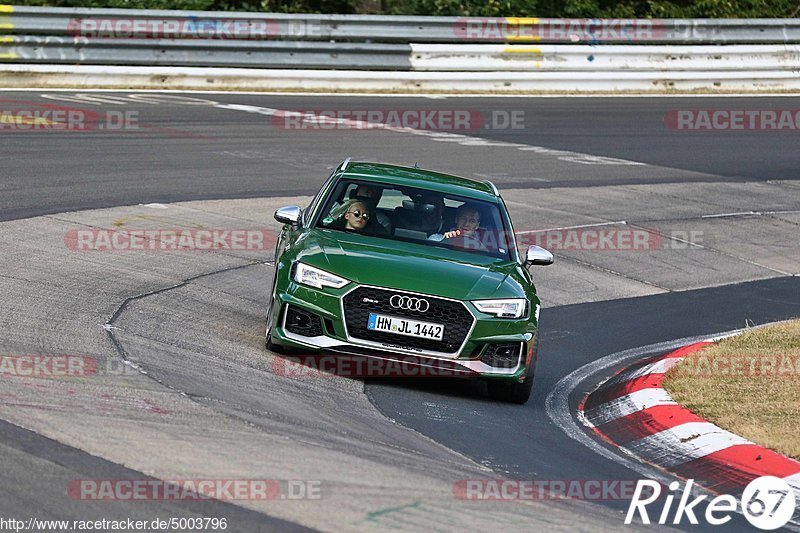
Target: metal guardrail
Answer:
[[606, 58], [417, 57], [113, 47], [123, 23], [257, 54], [205, 78]]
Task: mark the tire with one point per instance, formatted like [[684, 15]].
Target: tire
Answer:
[[513, 392], [268, 344], [271, 346], [518, 393]]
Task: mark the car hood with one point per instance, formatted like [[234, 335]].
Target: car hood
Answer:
[[412, 267]]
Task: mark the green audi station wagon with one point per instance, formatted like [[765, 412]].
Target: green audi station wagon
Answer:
[[400, 263]]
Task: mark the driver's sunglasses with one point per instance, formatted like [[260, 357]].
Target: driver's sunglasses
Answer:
[[360, 214]]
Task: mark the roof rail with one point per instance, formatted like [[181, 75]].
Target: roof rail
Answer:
[[493, 186], [344, 164]]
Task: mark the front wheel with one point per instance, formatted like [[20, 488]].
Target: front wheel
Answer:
[[513, 392], [271, 346], [518, 393]]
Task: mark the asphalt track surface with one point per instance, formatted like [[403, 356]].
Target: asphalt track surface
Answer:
[[521, 441], [183, 152], [33, 466], [204, 152]]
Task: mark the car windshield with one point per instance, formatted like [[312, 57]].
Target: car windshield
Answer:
[[417, 215]]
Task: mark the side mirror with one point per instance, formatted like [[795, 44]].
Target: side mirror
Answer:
[[289, 215], [538, 256]]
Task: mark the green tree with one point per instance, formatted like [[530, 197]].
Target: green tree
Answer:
[[288, 6], [669, 8], [127, 4], [476, 8], [464, 8]]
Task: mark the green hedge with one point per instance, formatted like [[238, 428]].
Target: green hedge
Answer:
[[538, 8]]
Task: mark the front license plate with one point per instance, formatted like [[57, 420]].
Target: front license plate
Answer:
[[404, 326]]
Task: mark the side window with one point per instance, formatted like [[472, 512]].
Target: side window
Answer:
[[333, 209], [312, 207], [508, 240], [338, 200]]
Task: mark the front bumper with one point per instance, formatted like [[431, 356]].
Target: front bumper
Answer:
[[332, 336]]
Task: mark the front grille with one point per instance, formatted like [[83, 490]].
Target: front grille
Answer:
[[359, 303], [502, 355], [302, 322]]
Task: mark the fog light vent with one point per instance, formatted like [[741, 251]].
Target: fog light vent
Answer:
[[301, 322], [504, 355]]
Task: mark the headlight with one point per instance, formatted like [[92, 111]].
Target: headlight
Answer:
[[314, 277], [508, 308]]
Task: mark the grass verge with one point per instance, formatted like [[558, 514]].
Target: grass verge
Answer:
[[748, 384]]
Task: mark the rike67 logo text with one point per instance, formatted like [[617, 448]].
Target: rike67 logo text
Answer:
[[767, 503]]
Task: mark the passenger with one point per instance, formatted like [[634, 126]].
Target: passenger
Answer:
[[354, 216], [380, 223]]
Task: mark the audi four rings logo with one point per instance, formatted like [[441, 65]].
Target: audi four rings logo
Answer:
[[409, 303]]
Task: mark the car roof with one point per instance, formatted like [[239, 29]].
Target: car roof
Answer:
[[417, 177]]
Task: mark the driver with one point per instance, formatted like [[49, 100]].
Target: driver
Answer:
[[466, 234]]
